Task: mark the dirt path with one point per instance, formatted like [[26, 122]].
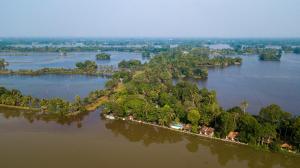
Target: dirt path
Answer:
[[96, 104]]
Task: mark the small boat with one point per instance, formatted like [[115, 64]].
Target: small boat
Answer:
[[177, 126], [111, 117]]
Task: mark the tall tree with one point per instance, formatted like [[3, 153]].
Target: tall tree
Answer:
[[244, 105]]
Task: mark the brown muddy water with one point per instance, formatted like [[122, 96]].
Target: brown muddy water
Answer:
[[94, 142]]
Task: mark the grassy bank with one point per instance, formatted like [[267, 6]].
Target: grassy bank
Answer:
[[20, 107], [96, 104]]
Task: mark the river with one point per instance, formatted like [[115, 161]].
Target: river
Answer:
[[95, 142]]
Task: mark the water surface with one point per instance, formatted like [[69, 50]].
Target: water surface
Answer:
[[50, 86], [95, 142], [55, 60], [63, 86], [259, 82]]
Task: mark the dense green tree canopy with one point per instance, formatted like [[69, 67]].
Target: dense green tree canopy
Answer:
[[103, 56], [87, 66], [130, 64], [270, 55]]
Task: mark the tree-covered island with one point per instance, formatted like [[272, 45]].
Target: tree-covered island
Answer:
[[81, 68], [103, 56], [270, 55]]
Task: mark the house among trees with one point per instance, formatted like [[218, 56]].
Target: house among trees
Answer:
[[232, 136], [207, 131], [130, 117], [187, 127], [286, 146]]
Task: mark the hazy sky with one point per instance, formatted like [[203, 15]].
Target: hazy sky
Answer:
[[150, 18]]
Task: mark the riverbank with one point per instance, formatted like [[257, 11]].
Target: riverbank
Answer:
[[181, 131], [20, 107], [56, 71], [99, 102]]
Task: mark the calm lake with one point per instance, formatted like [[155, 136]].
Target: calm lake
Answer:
[[55, 60], [63, 86], [50, 86], [94, 142], [259, 82]]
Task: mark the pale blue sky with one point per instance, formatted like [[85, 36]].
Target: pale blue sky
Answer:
[[150, 18]]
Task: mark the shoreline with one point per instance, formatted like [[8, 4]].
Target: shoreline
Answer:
[[181, 131], [19, 107], [35, 73], [93, 106]]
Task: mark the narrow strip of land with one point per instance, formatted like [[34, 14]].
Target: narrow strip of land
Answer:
[[20, 107], [96, 104], [182, 131]]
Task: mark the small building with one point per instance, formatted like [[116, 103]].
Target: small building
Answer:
[[130, 117], [232, 136], [185, 52], [208, 131], [187, 127], [286, 146]]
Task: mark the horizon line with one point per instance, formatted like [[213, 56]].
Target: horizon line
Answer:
[[139, 37]]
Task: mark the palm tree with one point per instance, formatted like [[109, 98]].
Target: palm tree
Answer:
[[244, 105]]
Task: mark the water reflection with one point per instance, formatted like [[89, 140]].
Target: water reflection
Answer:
[[259, 82], [225, 153], [33, 117], [39, 60], [135, 132], [129, 142], [50, 86]]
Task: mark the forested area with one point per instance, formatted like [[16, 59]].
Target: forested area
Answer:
[[270, 55], [103, 56], [55, 107], [150, 95]]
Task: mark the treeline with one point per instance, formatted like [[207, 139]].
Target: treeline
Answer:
[[272, 128], [87, 66], [55, 107], [150, 49], [130, 64], [82, 68], [190, 64]]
